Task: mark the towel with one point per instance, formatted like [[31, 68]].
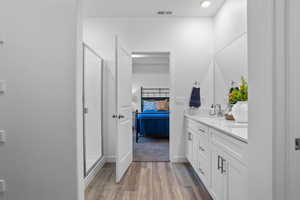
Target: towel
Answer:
[[195, 98]]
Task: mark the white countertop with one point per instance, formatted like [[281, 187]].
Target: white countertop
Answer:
[[230, 128]]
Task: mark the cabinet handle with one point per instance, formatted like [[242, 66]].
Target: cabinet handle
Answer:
[[219, 157], [201, 171], [201, 148], [190, 136], [222, 169], [203, 131]]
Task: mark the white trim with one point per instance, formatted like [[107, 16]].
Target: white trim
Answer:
[[94, 172], [110, 159], [171, 102], [179, 159], [280, 102]]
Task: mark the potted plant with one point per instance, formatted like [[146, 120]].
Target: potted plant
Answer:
[[239, 97]]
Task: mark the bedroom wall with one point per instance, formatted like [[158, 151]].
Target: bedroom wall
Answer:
[[190, 43], [231, 54], [38, 61], [148, 72]]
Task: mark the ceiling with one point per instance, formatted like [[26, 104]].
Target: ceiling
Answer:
[[149, 8]]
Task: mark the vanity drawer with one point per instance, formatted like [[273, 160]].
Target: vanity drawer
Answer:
[[231, 146], [197, 126]]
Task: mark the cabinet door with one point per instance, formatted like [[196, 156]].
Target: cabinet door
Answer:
[[189, 146], [218, 181], [195, 151], [237, 180]]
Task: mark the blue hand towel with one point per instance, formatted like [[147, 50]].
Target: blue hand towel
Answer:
[[195, 98]]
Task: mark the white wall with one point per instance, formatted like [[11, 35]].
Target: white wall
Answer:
[[38, 111], [190, 42], [231, 55], [150, 73]]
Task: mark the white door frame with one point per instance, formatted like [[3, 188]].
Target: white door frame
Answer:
[[268, 142], [281, 139]]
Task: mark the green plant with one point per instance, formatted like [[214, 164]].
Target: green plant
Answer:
[[239, 94]]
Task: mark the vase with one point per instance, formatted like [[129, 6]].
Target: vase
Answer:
[[240, 112]]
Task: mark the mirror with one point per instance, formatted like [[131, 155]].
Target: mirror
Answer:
[[231, 64], [231, 55]]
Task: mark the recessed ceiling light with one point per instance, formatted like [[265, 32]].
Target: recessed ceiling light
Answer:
[[205, 4]]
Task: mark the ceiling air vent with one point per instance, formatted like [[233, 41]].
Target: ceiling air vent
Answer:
[[161, 12]]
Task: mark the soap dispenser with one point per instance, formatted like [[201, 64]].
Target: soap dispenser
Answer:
[[212, 110]]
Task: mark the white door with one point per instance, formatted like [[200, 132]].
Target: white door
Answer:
[[92, 100], [293, 58], [123, 110]]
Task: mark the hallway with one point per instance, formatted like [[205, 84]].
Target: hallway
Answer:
[[147, 181]]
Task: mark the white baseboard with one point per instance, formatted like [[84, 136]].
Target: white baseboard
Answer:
[[179, 159], [110, 159], [94, 172]]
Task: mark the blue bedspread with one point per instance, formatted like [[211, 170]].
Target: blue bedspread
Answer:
[[153, 123]]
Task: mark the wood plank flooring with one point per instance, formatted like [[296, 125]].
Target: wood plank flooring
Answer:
[[148, 181]]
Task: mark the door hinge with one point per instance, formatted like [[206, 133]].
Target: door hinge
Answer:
[[297, 144], [85, 110]]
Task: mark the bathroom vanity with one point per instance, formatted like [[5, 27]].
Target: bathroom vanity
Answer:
[[216, 149]]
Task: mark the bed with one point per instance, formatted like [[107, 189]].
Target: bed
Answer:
[[152, 123]]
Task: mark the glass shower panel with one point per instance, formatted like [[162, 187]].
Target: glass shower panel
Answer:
[[92, 107]]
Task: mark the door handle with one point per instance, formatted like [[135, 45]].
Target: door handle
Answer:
[[121, 116], [115, 116], [297, 144], [85, 110]]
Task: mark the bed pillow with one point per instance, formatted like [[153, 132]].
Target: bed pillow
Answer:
[[150, 106], [162, 105]]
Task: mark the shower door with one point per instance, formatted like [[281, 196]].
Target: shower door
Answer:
[[92, 108]]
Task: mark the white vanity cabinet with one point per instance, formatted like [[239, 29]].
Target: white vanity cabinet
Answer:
[[218, 159]]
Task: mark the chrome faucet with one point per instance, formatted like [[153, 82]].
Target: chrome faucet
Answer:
[[219, 110]]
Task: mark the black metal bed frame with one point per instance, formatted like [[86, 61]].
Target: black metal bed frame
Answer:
[[151, 94]]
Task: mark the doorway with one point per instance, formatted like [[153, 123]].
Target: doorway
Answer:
[[150, 102]]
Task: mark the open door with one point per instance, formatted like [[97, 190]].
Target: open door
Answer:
[[123, 110]]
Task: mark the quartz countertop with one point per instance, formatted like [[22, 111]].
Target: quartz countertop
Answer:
[[231, 128]]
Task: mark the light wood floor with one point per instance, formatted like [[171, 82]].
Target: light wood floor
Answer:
[[148, 181]]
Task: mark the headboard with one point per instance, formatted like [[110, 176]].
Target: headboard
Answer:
[[154, 94]]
